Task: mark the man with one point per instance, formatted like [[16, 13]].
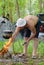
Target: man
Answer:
[[30, 26]]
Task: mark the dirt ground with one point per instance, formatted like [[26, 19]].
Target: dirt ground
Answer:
[[16, 60]]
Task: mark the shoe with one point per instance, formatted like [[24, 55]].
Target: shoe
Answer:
[[22, 55]]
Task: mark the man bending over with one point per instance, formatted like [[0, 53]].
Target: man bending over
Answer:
[[30, 26]]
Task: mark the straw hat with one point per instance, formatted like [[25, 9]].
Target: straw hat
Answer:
[[20, 22]]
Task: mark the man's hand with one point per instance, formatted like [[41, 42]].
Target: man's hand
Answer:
[[26, 42]]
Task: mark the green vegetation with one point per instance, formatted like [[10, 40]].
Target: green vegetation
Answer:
[[29, 63], [17, 9], [17, 47], [20, 8]]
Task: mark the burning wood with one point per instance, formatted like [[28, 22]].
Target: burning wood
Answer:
[[5, 47]]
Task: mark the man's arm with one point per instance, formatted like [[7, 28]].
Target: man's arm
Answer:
[[33, 33], [13, 37]]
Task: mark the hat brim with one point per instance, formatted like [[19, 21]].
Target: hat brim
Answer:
[[21, 23]]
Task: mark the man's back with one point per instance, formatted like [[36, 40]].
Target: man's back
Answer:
[[31, 20]]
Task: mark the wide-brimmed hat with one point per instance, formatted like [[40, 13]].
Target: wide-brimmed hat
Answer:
[[20, 22]]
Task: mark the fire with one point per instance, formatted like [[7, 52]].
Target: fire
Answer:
[[7, 44], [5, 47]]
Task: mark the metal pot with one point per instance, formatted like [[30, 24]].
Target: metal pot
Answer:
[[7, 34]]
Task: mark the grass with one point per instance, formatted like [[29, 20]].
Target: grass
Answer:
[[29, 63], [17, 47], [20, 63]]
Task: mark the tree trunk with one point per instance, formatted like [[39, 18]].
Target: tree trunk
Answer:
[[3, 13], [43, 4], [10, 12], [3, 9], [30, 6], [17, 9], [40, 6]]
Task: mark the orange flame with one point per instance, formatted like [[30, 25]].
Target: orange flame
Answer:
[[5, 47]]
